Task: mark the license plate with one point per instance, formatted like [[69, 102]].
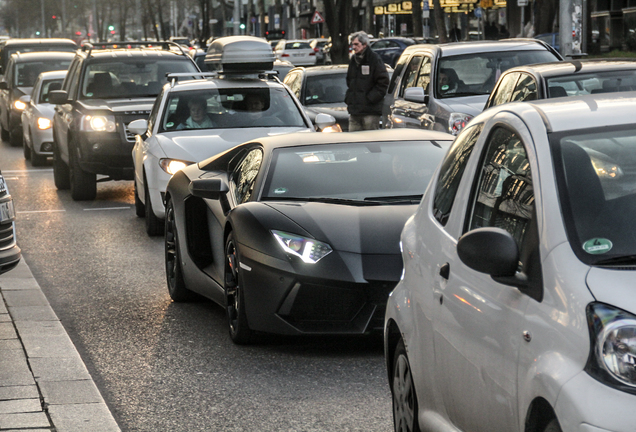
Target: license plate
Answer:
[[299, 55], [7, 212]]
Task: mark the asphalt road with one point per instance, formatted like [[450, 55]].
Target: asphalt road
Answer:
[[163, 366]]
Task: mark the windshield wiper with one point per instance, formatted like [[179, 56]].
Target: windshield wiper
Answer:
[[618, 260], [396, 199], [320, 199]]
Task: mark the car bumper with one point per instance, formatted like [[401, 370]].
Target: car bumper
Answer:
[[282, 301], [587, 405], [42, 141], [107, 154]]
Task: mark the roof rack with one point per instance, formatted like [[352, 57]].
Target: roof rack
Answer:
[[174, 77], [131, 44]]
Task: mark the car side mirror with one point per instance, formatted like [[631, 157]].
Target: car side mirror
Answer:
[[25, 99], [210, 188], [4, 85], [324, 120], [489, 250], [138, 127], [415, 94], [58, 97]]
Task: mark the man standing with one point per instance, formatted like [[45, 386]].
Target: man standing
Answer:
[[367, 82]]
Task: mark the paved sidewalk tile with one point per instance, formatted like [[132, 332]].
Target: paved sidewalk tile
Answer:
[[14, 370], [70, 392], [59, 369], [25, 420], [33, 313], [82, 418], [20, 406], [12, 283], [19, 392], [20, 298]]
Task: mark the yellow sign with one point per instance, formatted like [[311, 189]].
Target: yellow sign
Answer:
[[486, 4]]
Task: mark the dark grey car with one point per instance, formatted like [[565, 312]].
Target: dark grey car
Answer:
[[443, 86]]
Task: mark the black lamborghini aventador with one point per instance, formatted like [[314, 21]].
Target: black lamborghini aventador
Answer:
[[298, 233]]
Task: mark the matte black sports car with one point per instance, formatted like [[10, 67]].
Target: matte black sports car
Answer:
[[298, 233]]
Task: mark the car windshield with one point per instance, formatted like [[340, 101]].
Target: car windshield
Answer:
[[477, 73], [27, 73], [134, 77], [596, 174], [47, 86], [327, 88], [230, 108], [365, 173], [597, 82]]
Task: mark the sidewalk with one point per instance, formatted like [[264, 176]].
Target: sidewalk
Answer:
[[44, 384]]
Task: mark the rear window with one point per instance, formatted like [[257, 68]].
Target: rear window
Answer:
[[321, 89], [27, 73], [48, 86], [607, 81], [135, 77], [297, 45]]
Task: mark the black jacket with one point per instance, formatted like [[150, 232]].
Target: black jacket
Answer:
[[366, 90]]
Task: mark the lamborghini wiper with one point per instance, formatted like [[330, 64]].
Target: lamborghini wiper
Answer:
[[396, 199]]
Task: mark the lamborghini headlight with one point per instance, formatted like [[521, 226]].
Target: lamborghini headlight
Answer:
[[309, 250], [171, 166], [98, 123], [613, 344], [44, 123]]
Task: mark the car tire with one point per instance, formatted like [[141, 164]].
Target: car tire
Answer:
[[154, 225], [61, 174], [37, 160], [553, 426], [4, 134], [405, 408], [238, 326], [140, 209], [83, 184], [26, 150], [15, 138], [174, 274]]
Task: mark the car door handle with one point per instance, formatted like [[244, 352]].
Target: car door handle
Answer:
[[444, 271]]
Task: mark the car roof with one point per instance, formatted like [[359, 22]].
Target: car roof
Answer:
[[323, 70], [53, 74], [41, 55], [43, 41], [227, 81], [468, 47], [381, 135], [569, 67], [576, 112]]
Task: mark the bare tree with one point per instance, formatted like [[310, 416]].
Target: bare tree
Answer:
[[440, 22], [338, 20], [417, 19]]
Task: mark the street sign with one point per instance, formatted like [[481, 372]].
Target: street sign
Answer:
[[521, 3], [317, 18], [478, 12]]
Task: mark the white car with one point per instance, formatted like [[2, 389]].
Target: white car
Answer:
[[516, 309], [196, 119], [298, 52], [37, 118]]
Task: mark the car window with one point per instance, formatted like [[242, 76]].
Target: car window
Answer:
[[424, 77], [525, 90], [504, 195], [154, 112], [397, 72], [410, 75], [321, 89], [294, 82], [71, 82], [477, 73], [605, 81], [141, 77], [244, 176], [451, 172], [297, 45], [47, 86], [504, 89], [230, 108], [27, 73]]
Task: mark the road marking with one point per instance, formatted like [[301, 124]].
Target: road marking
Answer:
[[40, 211], [106, 208]]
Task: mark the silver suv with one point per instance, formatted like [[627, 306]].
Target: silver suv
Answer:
[[443, 86]]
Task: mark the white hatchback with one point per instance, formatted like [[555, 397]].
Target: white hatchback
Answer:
[[517, 308], [298, 52]]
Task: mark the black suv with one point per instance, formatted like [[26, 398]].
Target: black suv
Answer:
[[105, 89]]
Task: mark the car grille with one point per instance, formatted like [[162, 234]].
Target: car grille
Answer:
[[353, 308], [7, 238], [130, 137]]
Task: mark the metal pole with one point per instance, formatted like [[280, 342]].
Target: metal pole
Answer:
[[43, 34]]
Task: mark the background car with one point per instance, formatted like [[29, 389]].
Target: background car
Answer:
[[103, 92], [9, 251], [518, 275], [390, 49], [321, 89], [298, 233], [443, 86], [20, 75], [167, 144], [318, 46], [12, 46], [297, 51], [567, 78], [37, 118], [551, 39]]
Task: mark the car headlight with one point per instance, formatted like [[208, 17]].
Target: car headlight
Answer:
[[457, 122], [171, 166], [98, 123], [309, 250], [43, 123], [612, 358], [19, 105], [333, 128]]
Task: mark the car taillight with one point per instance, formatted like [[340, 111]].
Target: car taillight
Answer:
[[285, 55], [316, 49], [313, 53]]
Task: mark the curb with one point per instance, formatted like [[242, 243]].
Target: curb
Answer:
[[44, 384]]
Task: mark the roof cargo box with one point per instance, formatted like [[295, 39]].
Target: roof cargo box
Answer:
[[239, 54]]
